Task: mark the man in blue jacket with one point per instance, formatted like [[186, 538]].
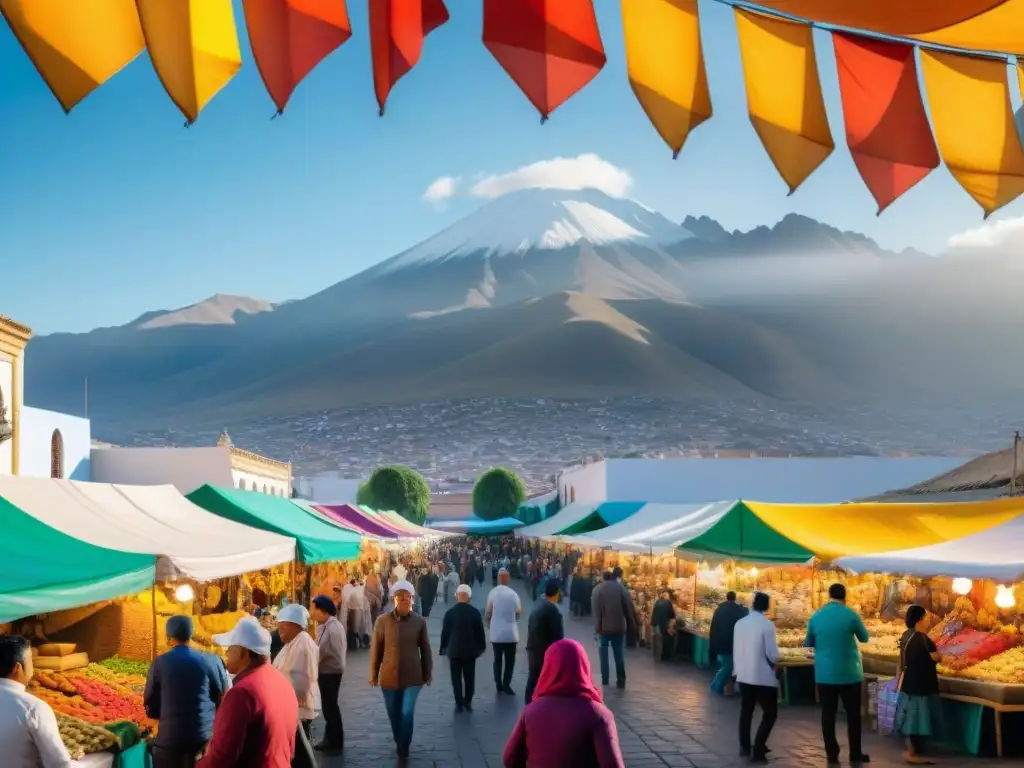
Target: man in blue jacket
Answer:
[[183, 689], [833, 633]]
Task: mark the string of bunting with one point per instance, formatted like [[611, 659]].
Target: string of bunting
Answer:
[[551, 50]]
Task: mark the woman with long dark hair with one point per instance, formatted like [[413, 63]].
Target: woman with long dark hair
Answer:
[[917, 711]]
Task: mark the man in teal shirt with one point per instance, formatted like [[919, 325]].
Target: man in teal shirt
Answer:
[[833, 632]]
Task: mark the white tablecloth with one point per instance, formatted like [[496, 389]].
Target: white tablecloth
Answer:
[[95, 760]]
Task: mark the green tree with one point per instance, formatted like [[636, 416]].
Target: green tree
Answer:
[[498, 493], [399, 489], [364, 496]]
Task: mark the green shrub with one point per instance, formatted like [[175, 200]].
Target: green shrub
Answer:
[[398, 489], [498, 493]]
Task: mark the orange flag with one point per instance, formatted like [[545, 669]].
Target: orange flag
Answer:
[[886, 126], [550, 48], [397, 31], [290, 37], [75, 46], [971, 111], [784, 98]]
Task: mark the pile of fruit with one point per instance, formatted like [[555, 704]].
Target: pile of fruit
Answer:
[[82, 738], [87, 699]]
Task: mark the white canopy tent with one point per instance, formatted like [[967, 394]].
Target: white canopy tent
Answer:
[[568, 515], [189, 542], [656, 528], [994, 554]]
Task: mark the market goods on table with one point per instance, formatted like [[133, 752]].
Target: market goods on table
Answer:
[[82, 738]]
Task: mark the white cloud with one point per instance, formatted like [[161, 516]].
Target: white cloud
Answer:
[[989, 236], [441, 189], [584, 172]]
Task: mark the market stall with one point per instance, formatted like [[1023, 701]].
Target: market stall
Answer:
[[317, 539], [560, 520], [358, 521], [608, 513], [189, 542], [43, 569], [476, 526], [399, 523]]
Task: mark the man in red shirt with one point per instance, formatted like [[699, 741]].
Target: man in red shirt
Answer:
[[258, 718]]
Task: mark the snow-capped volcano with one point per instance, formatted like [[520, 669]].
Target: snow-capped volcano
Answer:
[[544, 219]]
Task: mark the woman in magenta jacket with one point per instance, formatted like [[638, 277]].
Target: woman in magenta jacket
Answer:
[[565, 703]]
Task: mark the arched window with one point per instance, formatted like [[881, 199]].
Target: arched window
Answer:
[[241, 483], [264, 487], [572, 494], [57, 455]]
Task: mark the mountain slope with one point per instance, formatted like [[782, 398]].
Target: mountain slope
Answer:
[[572, 294]]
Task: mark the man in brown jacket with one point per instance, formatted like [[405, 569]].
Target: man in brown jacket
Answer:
[[401, 662], [613, 615]]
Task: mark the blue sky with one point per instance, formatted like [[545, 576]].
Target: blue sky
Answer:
[[118, 209]]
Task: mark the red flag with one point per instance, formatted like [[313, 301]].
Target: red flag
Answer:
[[397, 31], [290, 37], [887, 129], [550, 48]]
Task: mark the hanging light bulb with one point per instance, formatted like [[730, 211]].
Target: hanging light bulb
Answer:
[[962, 585], [1004, 597], [753, 571], [184, 593]]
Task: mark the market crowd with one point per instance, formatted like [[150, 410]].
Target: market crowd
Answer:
[[256, 708]]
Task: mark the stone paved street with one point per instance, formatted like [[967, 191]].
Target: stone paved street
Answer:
[[665, 716]]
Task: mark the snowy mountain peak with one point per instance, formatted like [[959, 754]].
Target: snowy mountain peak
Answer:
[[544, 219]]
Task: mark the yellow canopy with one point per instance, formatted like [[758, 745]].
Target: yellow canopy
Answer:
[[832, 531]]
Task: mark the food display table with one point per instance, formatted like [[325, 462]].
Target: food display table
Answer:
[[693, 646], [95, 760], [796, 683]]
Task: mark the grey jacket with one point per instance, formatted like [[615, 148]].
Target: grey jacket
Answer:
[[613, 609]]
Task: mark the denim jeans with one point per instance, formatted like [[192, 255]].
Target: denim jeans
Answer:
[[615, 641], [401, 706], [723, 673]]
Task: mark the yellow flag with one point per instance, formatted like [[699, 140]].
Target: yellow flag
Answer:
[[784, 94], [75, 46], [194, 48], [666, 66], [973, 122]]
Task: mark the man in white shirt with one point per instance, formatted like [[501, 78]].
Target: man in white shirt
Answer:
[[28, 727], [755, 656], [502, 619]]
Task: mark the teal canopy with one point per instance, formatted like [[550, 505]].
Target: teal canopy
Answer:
[[609, 513], [43, 570], [317, 540]]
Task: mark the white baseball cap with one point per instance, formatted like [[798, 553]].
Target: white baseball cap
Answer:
[[247, 634], [401, 585], [464, 589], [294, 614]]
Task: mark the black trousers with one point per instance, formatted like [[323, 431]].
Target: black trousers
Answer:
[[767, 698], [504, 656], [175, 757], [425, 608], [463, 680], [330, 687], [536, 661], [830, 696]]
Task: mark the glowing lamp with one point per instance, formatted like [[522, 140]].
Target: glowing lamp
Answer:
[[1004, 597], [962, 585], [184, 593], [753, 571]]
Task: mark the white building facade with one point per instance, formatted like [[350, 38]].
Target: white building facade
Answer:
[[33, 441], [779, 480], [223, 465]]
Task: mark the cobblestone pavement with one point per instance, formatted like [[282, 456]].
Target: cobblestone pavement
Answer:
[[666, 718]]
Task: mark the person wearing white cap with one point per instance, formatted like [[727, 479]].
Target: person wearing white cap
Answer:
[[299, 661], [463, 641], [401, 662], [259, 717]]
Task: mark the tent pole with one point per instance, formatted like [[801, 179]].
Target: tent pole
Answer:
[[294, 596], [696, 571], [153, 595]]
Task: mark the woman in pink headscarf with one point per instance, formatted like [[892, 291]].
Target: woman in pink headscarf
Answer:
[[565, 703]]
